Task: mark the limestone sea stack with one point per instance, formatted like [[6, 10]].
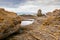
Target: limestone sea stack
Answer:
[[9, 23]]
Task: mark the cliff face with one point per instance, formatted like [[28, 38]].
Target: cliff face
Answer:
[[49, 29], [9, 23]]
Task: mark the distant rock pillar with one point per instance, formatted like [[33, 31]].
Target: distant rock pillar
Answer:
[[39, 13]]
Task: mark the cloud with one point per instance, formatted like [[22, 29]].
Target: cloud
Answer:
[[11, 3], [33, 6], [16, 3], [29, 5]]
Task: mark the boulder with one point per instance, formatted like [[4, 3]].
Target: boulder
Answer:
[[9, 23]]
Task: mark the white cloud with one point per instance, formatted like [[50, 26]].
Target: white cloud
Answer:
[[34, 5]]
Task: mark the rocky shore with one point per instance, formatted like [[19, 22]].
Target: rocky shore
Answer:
[[45, 27]]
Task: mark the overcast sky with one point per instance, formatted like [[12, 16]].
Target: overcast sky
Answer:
[[30, 5]]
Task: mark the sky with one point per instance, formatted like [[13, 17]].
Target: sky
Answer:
[[29, 6]]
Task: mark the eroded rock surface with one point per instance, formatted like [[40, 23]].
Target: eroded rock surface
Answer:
[[9, 23], [49, 29]]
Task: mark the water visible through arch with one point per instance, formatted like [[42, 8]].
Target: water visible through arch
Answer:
[[27, 22]]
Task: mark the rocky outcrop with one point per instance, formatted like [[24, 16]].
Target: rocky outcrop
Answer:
[[39, 13], [49, 29], [9, 23], [54, 13]]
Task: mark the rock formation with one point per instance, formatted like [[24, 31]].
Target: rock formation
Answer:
[[49, 29], [9, 23], [43, 28], [39, 14]]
